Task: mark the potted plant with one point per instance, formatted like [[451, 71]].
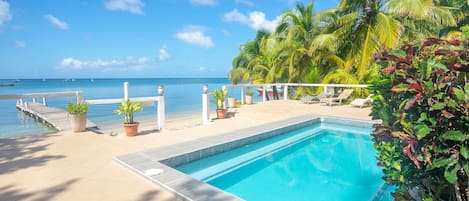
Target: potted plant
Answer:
[[220, 96], [77, 113], [249, 95], [128, 108], [231, 101]]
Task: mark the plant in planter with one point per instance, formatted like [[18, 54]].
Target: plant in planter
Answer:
[[128, 108], [249, 95], [220, 96], [423, 139], [77, 113], [231, 101]]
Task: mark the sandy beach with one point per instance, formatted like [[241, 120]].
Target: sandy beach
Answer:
[[79, 166]]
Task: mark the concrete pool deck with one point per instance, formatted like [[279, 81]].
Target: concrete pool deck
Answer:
[[80, 166]]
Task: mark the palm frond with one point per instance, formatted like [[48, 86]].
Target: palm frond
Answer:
[[388, 30]]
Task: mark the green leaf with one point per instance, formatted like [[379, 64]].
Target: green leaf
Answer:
[[399, 53], [396, 165], [400, 88], [441, 162], [423, 117], [464, 151], [454, 135], [459, 94], [438, 106], [440, 66], [423, 130], [451, 173]]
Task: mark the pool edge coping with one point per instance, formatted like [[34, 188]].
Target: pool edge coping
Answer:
[[185, 187]]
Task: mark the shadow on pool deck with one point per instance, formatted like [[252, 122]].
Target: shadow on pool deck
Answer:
[[19, 153]]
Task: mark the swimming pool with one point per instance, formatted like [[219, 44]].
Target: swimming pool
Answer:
[[318, 162], [299, 159]]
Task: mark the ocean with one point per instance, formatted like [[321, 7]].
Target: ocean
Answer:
[[183, 96]]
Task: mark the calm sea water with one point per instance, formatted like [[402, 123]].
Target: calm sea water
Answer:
[[182, 97]]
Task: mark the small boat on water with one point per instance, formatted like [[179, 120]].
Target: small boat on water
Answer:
[[270, 91]]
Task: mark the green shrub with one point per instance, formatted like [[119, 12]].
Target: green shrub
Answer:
[[129, 108], [77, 108], [422, 101], [220, 96]]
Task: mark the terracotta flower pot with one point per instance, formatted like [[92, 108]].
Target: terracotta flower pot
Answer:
[[221, 113], [78, 122], [131, 129]]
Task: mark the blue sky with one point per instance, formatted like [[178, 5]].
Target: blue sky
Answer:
[[130, 38]]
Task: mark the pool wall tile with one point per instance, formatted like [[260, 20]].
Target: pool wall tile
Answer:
[[187, 188]]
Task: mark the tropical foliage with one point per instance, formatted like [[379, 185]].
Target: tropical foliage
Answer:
[[340, 45], [422, 100], [129, 108], [219, 96], [77, 108]]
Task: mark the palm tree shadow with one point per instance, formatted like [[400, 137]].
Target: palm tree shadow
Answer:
[[19, 153], [11, 192]]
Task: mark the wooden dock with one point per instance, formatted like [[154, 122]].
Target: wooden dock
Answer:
[[56, 117]]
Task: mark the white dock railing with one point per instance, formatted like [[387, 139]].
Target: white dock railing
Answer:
[[146, 101], [287, 85]]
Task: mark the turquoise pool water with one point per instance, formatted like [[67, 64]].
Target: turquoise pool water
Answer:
[[319, 162]]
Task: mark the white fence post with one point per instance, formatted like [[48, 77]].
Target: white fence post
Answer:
[[242, 96], [264, 93], [161, 112], [285, 92], [126, 91], [205, 106], [79, 96], [44, 101]]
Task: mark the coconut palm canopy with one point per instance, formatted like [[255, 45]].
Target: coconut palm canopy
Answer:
[[339, 45]]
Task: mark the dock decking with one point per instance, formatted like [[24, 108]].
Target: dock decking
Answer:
[[56, 117]]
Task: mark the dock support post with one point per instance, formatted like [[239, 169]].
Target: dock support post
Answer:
[[126, 91], [44, 101], [34, 100], [264, 92], [79, 96], [242, 95], [205, 106], [161, 112], [285, 92]]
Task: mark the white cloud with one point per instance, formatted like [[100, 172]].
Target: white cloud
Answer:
[[163, 54], [121, 65], [195, 35], [202, 68], [245, 2], [255, 20], [56, 22], [204, 2], [20, 43], [5, 14], [133, 6]]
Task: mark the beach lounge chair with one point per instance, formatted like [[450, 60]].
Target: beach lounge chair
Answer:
[[360, 102], [339, 99], [314, 99]]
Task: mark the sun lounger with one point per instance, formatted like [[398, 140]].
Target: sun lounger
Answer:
[[360, 102], [339, 99], [314, 99]]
